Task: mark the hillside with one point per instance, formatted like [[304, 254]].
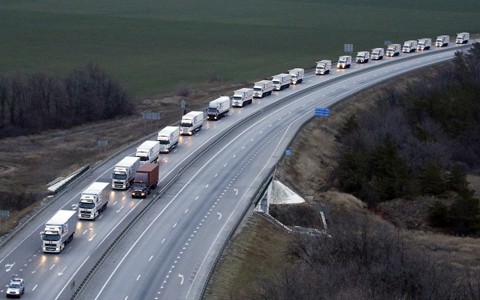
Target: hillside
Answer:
[[353, 262]]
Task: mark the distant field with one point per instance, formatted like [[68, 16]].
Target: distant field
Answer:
[[153, 45]]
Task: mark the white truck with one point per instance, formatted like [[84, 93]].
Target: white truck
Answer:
[[393, 50], [242, 97], [262, 88], [191, 122], [462, 38], [377, 53], [218, 108], [323, 67], [296, 75], [362, 57], [124, 172], [148, 151], [442, 40], [58, 231], [424, 44], [93, 200], [409, 46], [344, 62], [281, 81], [168, 138]]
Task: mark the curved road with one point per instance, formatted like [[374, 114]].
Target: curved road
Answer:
[[169, 252]]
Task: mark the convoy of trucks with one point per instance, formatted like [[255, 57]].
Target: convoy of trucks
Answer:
[[424, 44], [462, 38], [168, 138], [191, 122], [442, 40], [377, 53], [344, 62], [281, 81], [242, 97], [323, 67], [296, 75], [362, 57], [58, 231], [262, 88], [409, 46], [146, 179], [393, 50], [124, 171], [218, 108], [93, 200]]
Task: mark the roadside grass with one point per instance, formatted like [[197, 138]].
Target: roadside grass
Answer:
[[152, 46], [259, 251]]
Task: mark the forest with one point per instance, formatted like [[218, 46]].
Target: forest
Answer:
[[420, 140], [32, 102]]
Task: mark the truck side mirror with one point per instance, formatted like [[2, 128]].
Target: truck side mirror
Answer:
[[42, 234]]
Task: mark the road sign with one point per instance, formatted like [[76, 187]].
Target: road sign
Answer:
[[4, 213], [151, 115], [387, 42], [288, 152], [348, 48], [321, 112]]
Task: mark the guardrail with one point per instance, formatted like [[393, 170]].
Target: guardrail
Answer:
[[217, 138]]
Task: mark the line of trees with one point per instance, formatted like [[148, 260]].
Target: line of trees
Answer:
[[420, 141], [34, 101]]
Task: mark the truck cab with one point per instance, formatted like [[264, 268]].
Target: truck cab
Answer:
[[362, 57]]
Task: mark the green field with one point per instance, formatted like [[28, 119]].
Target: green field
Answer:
[[152, 46]]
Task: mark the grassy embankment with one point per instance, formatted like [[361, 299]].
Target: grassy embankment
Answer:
[[152, 46]]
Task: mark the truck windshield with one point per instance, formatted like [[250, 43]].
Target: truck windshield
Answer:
[[212, 109], [139, 185], [51, 237], [164, 142], [143, 158], [257, 89], [186, 124], [119, 176], [237, 98], [87, 205], [276, 81]]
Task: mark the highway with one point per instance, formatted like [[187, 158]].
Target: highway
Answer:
[[169, 251]]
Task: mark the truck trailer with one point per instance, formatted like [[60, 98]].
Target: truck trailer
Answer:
[[323, 67], [362, 57], [168, 138], [93, 200], [262, 88], [191, 122], [218, 108], [344, 62], [58, 231], [146, 179], [296, 75], [462, 38], [393, 50], [442, 40], [424, 44], [242, 97], [409, 46], [377, 53], [148, 151]]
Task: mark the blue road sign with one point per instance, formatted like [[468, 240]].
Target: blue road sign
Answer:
[[321, 112], [288, 152]]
